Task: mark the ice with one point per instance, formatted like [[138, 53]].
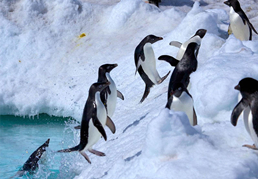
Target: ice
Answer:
[[50, 54]]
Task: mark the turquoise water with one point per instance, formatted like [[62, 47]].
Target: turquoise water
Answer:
[[20, 137]]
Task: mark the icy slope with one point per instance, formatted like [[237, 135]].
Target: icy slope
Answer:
[[50, 54]]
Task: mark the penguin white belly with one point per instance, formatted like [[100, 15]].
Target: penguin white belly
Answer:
[[240, 30], [149, 64], [250, 130], [183, 47], [111, 100], [246, 117], [93, 133], [184, 103]]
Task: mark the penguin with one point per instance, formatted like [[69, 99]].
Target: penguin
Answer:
[[197, 38], [155, 2], [32, 163], [145, 63], [93, 119], [109, 94], [248, 88], [239, 23], [178, 97]]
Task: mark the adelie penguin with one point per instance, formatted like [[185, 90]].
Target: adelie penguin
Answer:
[[108, 95], [240, 25], [178, 97], [32, 163], [145, 63], [155, 2], [93, 119], [248, 88]]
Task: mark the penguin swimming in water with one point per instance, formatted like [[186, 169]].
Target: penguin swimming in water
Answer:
[[240, 25], [93, 119], [178, 97], [145, 63], [32, 163], [248, 88]]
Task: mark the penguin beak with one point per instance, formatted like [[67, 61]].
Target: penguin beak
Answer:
[[227, 3], [237, 87], [160, 38]]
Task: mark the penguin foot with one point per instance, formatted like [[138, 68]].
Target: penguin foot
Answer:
[[250, 146], [85, 156], [163, 78], [98, 153]]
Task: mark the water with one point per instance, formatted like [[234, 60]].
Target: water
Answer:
[[20, 137]]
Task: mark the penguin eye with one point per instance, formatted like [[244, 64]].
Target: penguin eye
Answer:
[[180, 88]]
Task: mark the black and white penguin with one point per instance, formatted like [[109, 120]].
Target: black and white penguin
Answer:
[[240, 25], [93, 119], [248, 88], [145, 63], [109, 94], [155, 2], [178, 97], [32, 163], [197, 38]]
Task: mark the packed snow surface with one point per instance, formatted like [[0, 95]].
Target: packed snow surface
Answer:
[[50, 54]]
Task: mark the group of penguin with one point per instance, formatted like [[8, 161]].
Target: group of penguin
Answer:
[[102, 96]]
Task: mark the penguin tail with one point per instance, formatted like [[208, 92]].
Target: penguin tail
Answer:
[[146, 93], [76, 148]]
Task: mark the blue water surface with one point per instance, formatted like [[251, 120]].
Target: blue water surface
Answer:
[[21, 136]]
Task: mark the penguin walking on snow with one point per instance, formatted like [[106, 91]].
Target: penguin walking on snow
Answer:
[[145, 63], [93, 119], [240, 25], [248, 88], [178, 97]]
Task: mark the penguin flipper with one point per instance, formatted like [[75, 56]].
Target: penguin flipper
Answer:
[[111, 125], [85, 156], [99, 126], [163, 78], [171, 60], [175, 44], [146, 93], [169, 102], [252, 27], [237, 111], [194, 117], [120, 95]]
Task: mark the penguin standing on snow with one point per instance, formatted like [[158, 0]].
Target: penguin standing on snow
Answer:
[[240, 25], [178, 97], [197, 38], [145, 63], [93, 119], [248, 88]]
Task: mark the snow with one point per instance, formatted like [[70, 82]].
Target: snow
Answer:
[[47, 66]]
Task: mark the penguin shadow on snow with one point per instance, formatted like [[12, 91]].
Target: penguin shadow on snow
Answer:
[[181, 3], [135, 123]]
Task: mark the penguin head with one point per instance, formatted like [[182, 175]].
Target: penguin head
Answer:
[[201, 33], [233, 3], [247, 86], [107, 67], [152, 39]]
